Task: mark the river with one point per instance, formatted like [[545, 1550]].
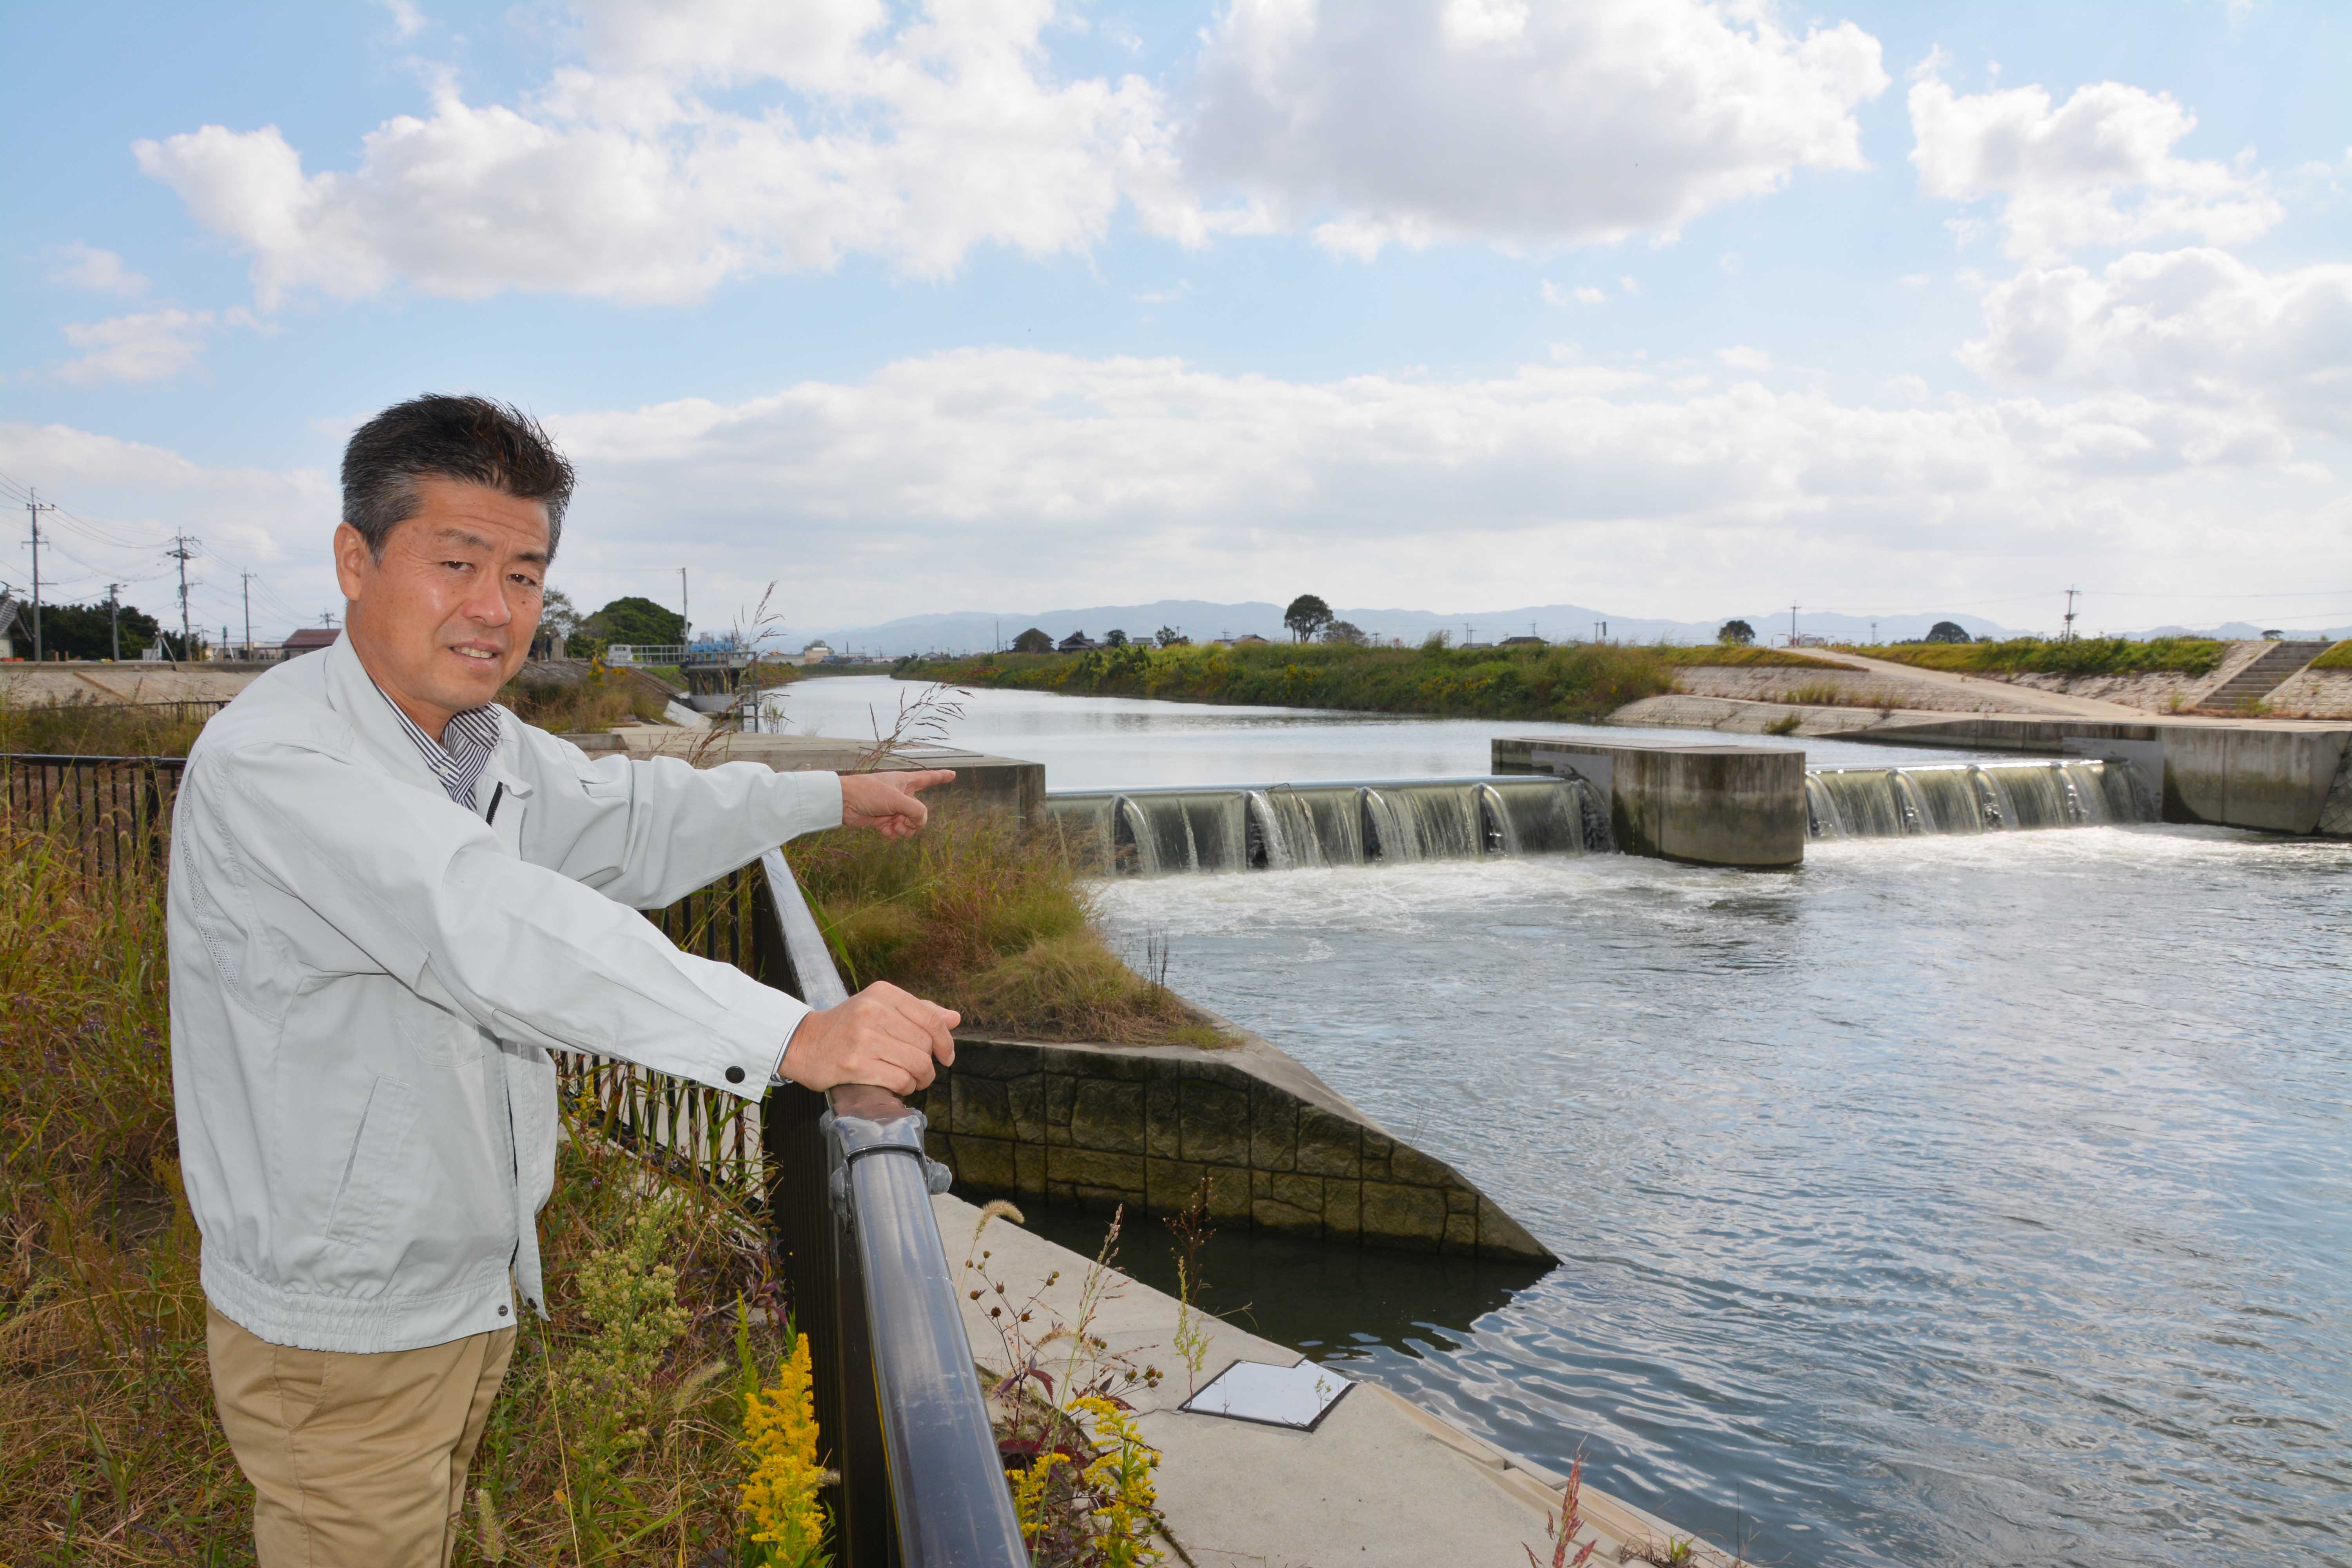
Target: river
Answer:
[[1952, 1200]]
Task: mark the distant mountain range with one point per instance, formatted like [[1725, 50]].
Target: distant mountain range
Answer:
[[1201, 620], [977, 631]]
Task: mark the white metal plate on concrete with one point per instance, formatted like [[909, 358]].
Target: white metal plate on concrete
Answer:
[[1293, 1397]]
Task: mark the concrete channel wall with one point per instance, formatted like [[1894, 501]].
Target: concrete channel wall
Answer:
[[2282, 778], [1141, 1125], [1717, 806]]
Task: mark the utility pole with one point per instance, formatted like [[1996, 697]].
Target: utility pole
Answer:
[[114, 617], [37, 506], [685, 610], [248, 577], [1792, 625], [1874, 634], [183, 550], [2071, 595]]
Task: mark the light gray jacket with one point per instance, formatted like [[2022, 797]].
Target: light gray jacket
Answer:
[[366, 979]]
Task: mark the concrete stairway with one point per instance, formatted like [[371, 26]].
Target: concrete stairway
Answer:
[[2271, 669]]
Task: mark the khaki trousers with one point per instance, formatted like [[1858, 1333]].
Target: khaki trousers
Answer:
[[357, 1461]]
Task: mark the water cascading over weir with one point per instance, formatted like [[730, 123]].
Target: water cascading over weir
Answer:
[[1288, 827], [1894, 803]]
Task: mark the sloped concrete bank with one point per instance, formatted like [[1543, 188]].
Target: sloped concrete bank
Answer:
[[1141, 1125], [1379, 1481]]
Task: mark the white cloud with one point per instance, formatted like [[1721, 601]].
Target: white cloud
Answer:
[[1583, 294], [914, 142], [2098, 170], [1740, 357], [1415, 121], [2199, 325], [88, 266], [1011, 479], [154, 345], [681, 145], [1016, 478], [408, 20]]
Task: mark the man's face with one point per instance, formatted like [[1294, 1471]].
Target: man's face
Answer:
[[446, 618]]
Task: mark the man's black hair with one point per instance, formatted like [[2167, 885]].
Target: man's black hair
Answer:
[[470, 439]]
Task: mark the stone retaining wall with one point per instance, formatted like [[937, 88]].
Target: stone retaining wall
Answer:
[[1141, 1126]]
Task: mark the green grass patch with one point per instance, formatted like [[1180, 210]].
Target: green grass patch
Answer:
[[1732, 657], [1571, 683], [2337, 658], [2084, 656]]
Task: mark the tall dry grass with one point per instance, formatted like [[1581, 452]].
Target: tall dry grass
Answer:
[[993, 920], [110, 1451]]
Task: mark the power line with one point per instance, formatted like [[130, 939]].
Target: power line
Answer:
[[183, 548]]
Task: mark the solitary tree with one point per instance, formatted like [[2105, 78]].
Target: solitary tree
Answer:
[[1737, 634], [1346, 633], [1947, 631], [1169, 637], [637, 619], [1306, 617], [1033, 641], [1114, 638]]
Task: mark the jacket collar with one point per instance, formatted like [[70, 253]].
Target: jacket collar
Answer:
[[356, 699]]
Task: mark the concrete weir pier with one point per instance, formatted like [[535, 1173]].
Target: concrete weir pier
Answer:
[[1716, 805]]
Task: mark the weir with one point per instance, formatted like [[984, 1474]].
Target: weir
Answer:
[[1282, 828], [1894, 803]]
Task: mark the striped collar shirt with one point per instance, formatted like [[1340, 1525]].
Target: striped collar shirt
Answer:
[[458, 758]]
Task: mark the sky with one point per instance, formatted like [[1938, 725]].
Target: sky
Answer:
[[1669, 308]]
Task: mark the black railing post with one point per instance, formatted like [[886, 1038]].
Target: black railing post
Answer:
[[910, 1393]]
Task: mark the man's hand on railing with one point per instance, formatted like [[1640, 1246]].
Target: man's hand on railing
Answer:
[[882, 1035], [886, 802]]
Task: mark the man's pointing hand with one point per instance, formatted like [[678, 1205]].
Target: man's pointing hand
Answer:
[[886, 802], [882, 1035]]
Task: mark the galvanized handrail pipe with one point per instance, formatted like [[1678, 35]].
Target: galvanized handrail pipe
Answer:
[[948, 1492]]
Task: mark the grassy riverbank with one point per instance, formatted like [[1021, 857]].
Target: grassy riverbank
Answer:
[[980, 916], [1576, 682], [2083, 657]]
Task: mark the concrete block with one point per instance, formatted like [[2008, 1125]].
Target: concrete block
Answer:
[[1028, 1167], [1269, 1214], [1462, 1233], [1169, 1185], [986, 1164], [1121, 1174], [1025, 1102], [1413, 1218], [1411, 1166], [1343, 1203], [1304, 1193], [1163, 1105], [1330, 1145], [1108, 1115], [1274, 1130], [1717, 806], [981, 1106], [2246, 776], [1215, 1123], [1061, 1092]]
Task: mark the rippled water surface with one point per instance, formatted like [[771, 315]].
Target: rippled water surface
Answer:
[[1973, 1200]]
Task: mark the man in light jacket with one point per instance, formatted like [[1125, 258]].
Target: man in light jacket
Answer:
[[389, 899]]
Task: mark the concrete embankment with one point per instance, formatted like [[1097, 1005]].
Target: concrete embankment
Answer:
[[1001, 782], [1379, 1480], [1141, 1125]]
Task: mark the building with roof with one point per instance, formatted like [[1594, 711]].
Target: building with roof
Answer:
[[310, 640], [13, 627]]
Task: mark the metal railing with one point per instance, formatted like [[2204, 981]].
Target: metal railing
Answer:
[[896, 1390], [116, 810]]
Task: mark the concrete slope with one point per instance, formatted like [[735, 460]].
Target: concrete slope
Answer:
[[2026, 698]]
